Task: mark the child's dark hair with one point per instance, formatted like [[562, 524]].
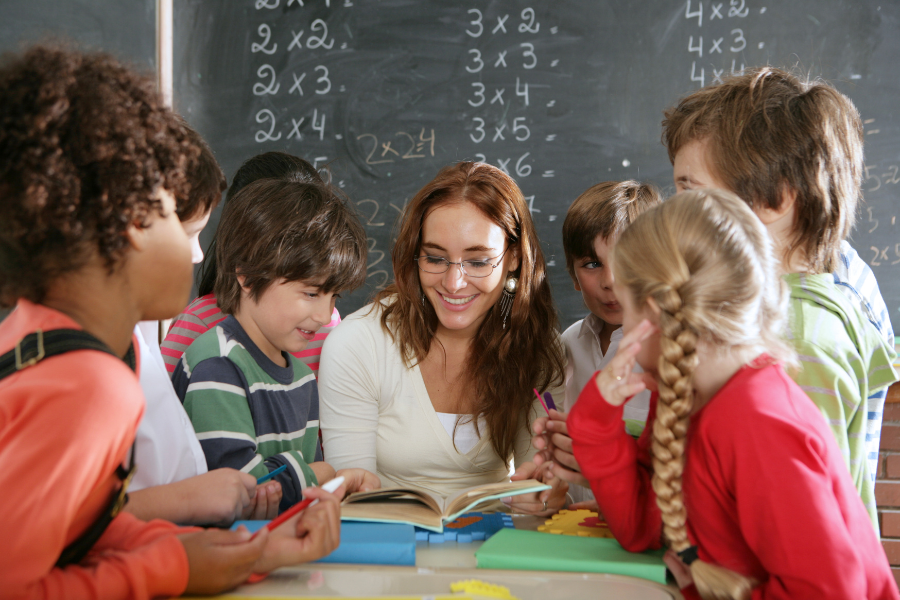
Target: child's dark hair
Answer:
[[206, 179], [268, 165], [604, 209], [276, 229], [85, 146], [768, 131]]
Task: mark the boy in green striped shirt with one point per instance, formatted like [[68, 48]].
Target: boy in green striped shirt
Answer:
[[284, 250], [793, 151]]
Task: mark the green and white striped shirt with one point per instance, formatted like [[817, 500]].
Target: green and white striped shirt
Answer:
[[249, 413], [843, 361]]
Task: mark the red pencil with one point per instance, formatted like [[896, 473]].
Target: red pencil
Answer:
[[329, 487]]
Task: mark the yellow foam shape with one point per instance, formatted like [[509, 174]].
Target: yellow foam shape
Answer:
[[569, 522], [481, 588]]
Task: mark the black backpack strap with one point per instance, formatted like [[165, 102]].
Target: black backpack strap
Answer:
[[34, 348], [76, 551], [37, 346]]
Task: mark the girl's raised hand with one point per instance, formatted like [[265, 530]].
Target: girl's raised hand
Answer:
[[618, 382]]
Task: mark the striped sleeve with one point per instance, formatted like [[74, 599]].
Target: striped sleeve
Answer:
[[832, 383]]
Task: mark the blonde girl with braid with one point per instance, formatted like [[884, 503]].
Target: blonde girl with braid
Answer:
[[736, 471]]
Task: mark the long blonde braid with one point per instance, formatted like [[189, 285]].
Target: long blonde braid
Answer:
[[677, 360], [705, 260]]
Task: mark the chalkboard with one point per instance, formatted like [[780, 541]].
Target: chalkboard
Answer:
[[561, 95], [124, 28]]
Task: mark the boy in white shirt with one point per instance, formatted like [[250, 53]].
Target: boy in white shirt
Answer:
[[593, 223]]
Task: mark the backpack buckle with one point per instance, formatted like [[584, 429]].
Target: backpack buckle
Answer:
[[33, 360]]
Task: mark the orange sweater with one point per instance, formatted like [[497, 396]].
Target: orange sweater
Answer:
[[65, 424]]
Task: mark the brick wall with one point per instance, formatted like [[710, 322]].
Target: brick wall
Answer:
[[887, 484]]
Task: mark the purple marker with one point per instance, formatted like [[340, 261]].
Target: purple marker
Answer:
[[549, 401]]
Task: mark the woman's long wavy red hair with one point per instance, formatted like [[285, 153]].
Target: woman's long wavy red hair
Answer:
[[505, 363]]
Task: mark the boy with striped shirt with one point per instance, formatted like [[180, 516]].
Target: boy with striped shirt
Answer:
[[284, 250], [203, 313]]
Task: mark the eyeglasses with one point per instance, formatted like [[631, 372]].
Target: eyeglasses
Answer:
[[471, 268]]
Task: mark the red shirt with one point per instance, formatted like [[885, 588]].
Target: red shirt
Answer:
[[65, 424], [767, 492]]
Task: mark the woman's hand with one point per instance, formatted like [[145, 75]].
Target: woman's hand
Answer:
[[544, 503], [553, 442], [264, 505], [310, 535], [359, 480], [618, 382]]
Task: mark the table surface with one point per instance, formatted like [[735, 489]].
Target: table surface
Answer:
[[439, 565]]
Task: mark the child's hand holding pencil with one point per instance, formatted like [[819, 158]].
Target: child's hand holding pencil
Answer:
[[551, 439], [305, 532]]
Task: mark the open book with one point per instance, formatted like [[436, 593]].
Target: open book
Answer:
[[419, 508]]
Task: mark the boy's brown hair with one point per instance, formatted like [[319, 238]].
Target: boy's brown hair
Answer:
[[605, 209], [85, 146], [206, 179], [767, 131], [274, 229]]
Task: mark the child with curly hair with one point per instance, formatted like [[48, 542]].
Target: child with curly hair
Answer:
[[91, 164]]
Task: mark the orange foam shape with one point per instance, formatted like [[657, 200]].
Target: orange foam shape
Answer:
[[462, 522]]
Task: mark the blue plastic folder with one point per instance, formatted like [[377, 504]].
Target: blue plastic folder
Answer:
[[366, 543], [536, 551]]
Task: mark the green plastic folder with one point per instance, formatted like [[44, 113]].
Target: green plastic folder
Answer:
[[536, 551]]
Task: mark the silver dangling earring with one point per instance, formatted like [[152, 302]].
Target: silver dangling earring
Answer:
[[507, 297], [423, 299]]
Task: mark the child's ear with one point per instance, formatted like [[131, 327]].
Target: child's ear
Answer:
[[137, 236], [770, 215], [241, 279]]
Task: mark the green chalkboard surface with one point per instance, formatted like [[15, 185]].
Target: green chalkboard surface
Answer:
[[124, 28], [559, 94]]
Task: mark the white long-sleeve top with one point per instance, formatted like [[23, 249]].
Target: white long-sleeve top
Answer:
[[166, 445], [376, 414]]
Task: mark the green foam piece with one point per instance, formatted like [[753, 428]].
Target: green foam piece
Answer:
[[536, 551]]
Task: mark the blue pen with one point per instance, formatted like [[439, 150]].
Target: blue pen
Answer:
[[271, 474]]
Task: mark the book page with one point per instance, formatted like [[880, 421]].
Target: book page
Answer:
[[467, 498], [388, 494], [398, 509]]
